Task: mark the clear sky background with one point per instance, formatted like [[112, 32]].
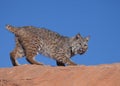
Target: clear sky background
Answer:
[[98, 18]]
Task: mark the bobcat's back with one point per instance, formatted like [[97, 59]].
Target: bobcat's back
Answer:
[[40, 40]]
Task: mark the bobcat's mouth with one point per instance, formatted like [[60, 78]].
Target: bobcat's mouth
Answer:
[[82, 51]]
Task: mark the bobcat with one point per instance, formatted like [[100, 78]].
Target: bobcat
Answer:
[[31, 41]]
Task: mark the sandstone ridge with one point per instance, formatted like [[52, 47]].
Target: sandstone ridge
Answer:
[[35, 75]]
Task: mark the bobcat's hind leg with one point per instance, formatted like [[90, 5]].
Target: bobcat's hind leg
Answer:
[[32, 61], [13, 58], [30, 58], [16, 53]]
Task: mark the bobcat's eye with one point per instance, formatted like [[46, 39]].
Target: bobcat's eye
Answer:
[[80, 43], [81, 49]]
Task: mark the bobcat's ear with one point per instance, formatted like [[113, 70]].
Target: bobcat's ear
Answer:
[[87, 38], [78, 36]]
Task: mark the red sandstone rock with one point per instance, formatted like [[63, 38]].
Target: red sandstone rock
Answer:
[[35, 75]]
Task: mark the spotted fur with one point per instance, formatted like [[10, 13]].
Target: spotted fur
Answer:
[[31, 41]]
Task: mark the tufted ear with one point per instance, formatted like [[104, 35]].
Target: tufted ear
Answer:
[[87, 38], [78, 36]]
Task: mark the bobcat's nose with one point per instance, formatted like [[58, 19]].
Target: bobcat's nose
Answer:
[[85, 44], [83, 50]]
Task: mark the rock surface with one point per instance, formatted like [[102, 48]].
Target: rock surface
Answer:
[[35, 75]]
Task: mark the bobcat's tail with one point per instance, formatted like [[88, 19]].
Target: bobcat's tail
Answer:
[[11, 28]]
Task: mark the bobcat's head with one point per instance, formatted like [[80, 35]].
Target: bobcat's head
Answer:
[[79, 44]]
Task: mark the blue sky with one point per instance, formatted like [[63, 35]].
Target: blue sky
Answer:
[[98, 18]]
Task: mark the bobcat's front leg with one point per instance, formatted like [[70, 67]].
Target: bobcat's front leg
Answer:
[[66, 61], [70, 63], [60, 63]]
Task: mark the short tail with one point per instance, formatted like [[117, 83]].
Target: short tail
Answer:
[[11, 28]]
